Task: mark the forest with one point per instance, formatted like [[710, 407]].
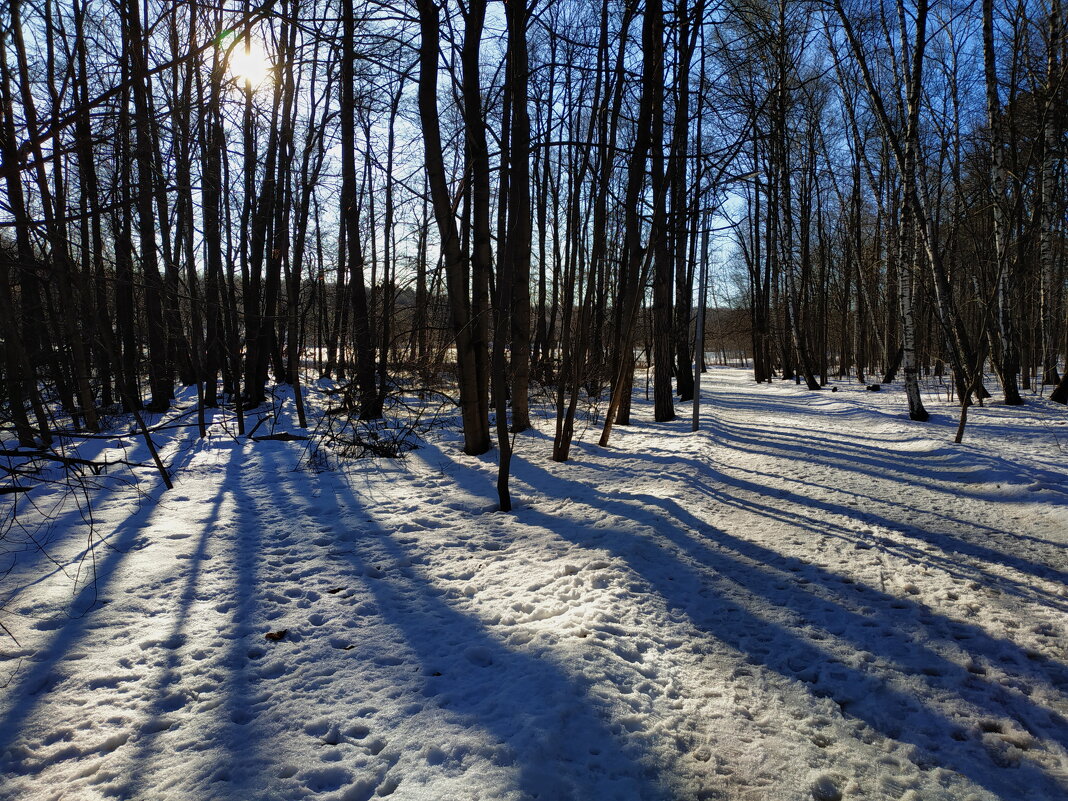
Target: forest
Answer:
[[349, 354], [489, 200]]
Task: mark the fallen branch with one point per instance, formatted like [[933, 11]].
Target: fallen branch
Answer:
[[285, 436], [68, 461]]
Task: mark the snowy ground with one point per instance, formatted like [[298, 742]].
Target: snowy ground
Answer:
[[812, 598]]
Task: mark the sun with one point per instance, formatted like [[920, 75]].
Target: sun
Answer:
[[249, 63]]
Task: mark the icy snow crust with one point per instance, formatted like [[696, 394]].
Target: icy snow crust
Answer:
[[812, 598]]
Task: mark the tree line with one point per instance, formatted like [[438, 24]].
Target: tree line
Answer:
[[491, 198]]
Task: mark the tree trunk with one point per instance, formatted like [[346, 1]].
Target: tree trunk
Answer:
[[517, 243], [161, 387], [663, 317], [478, 311], [472, 406], [634, 260], [1010, 358], [1049, 195], [370, 407]]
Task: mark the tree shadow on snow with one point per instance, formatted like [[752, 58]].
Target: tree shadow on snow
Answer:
[[926, 471], [710, 573], [561, 745], [34, 555], [30, 689], [222, 724], [967, 471], [170, 666], [813, 450]]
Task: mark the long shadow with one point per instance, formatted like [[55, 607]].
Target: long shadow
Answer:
[[944, 542], [946, 467], [848, 403], [727, 562], [628, 505], [33, 686], [703, 479], [559, 756], [65, 525], [875, 458], [169, 673], [865, 452], [817, 449], [831, 453], [996, 416], [38, 549], [743, 495], [237, 725]]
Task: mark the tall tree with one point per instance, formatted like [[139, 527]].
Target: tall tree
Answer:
[[516, 259], [1004, 267], [370, 404], [473, 405]]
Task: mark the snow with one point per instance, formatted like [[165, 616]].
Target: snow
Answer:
[[811, 598]]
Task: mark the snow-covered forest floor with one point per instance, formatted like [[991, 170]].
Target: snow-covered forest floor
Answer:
[[811, 598]]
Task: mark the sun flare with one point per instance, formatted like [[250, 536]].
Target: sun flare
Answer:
[[250, 63]]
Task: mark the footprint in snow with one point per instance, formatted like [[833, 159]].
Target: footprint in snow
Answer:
[[357, 731], [825, 788]]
